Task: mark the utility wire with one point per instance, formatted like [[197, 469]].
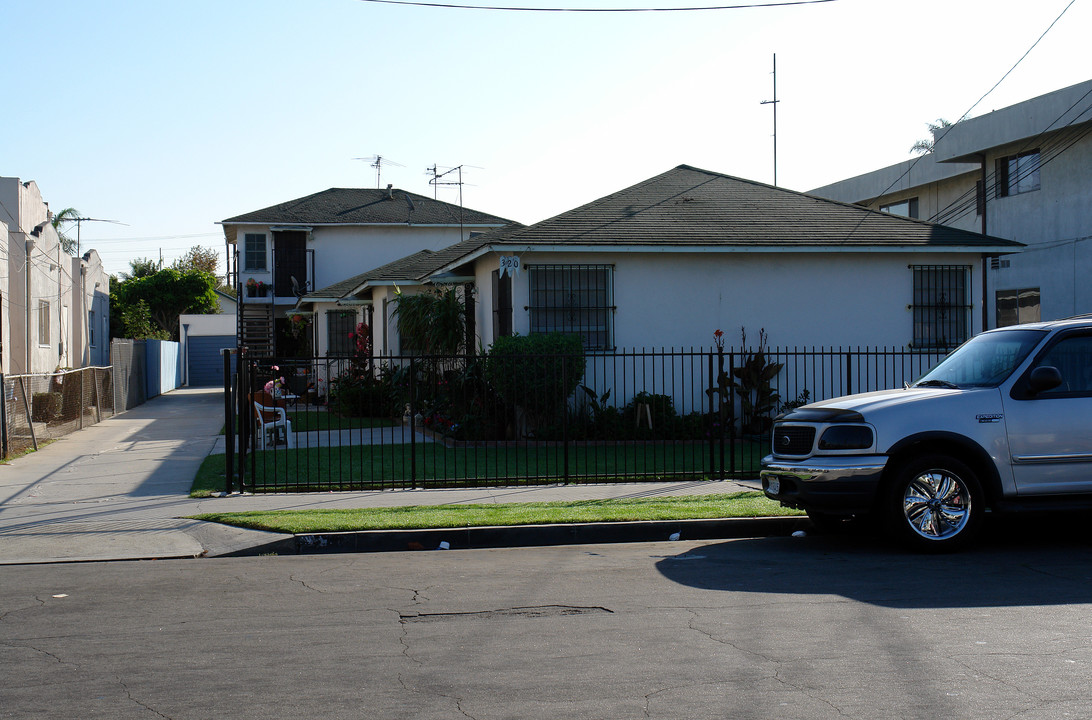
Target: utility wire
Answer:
[[962, 117]]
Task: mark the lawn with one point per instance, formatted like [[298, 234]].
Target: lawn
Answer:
[[367, 467], [686, 507]]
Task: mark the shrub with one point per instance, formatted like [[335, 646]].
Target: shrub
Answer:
[[536, 373], [46, 406]]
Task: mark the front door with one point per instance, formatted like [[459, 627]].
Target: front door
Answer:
[[289, 261]]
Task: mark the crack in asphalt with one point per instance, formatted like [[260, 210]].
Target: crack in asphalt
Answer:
[[133, 700], [778, 664]]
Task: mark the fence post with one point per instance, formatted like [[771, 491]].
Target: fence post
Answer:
[[4, 416], [849, 373], [709, 392], [413, 422], [229, 426], [565, 421]]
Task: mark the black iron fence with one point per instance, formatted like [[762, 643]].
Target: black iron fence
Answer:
[[385, 422]]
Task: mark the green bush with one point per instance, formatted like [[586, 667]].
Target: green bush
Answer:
[[536, 373]]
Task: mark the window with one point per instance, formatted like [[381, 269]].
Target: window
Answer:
[[1018, 173], [941, 309], [43, 322], [1071, 356], [1017, 306], [91, 328], [574, 300], [340, 324], [254, 251], [903, 208]]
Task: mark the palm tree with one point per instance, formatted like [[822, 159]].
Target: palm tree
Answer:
[[68, 243]]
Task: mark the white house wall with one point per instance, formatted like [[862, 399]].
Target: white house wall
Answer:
[[800, 299]]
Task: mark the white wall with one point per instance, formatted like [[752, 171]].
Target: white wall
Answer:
[[801, 299]]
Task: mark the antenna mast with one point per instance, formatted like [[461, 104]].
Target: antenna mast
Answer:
[[377, 161], [435, 181], [774, 103]]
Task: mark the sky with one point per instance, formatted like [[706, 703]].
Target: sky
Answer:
[[169, 116]]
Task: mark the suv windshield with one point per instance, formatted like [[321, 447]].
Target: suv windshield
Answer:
[[983, 361]]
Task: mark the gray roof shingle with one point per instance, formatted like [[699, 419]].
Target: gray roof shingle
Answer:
[[362, 206], [689, 206]]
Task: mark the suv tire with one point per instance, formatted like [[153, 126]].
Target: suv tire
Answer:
[[935, 503]]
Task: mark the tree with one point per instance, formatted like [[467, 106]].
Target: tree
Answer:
[[926, 146], [198, 258], [149, 305], [141, 267], [68, 243]]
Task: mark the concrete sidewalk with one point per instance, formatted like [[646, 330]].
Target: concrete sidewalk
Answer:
[[118, 490]]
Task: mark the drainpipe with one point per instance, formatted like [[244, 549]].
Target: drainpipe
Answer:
[[27, 269], [985, 259]]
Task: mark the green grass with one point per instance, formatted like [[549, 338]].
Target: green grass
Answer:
[[685, 507], [365, 467]]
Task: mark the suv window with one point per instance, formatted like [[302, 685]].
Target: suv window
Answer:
[[1073, 357]]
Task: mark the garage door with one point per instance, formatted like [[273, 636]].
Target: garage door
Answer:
[[205, 363]]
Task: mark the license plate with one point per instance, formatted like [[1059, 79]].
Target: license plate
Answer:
[[773, 486]]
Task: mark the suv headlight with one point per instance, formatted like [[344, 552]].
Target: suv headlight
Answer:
[[846, 437]]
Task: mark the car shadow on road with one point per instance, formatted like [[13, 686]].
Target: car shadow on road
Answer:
[[1018, 561]]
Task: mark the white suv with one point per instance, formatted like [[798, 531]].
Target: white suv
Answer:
[[1004, 422]]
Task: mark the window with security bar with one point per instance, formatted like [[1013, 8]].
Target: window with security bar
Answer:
[[941, 308], [340, 326], [574, 300]]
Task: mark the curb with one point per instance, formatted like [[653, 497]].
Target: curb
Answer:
[[366, 541]]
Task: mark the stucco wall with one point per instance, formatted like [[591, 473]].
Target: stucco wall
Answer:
[[800, 299]]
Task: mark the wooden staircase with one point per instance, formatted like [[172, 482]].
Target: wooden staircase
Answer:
[[256, 328]]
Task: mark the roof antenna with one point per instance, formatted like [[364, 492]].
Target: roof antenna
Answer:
[[774, 103], [377, 162]]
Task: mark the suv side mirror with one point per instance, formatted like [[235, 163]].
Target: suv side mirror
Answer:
[[1043, 378]]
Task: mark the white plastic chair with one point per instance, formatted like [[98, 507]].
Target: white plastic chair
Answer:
[[271, 422]]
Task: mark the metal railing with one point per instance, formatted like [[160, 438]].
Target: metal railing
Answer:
[[411, 422]]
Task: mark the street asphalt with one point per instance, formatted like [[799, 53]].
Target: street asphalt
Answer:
[[119, 490]]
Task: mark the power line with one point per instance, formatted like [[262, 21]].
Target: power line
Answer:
[[962, 117], [600, 10]]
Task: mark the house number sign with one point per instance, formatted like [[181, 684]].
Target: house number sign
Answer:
[[509, 264]]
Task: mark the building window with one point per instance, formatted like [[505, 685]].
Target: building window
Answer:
[[574, 300], [254, 251], [91, 328], [903, 208], [43, 322], [941, 308], [1018, 306], [1018, 173], [340, 325]]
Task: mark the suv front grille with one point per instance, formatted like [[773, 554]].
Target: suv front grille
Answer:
[[793, 439]]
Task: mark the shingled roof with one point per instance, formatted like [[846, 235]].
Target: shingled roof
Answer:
[[689, 206], [362, 206]]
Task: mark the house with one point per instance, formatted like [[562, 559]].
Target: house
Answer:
[[666, 262], [55, 307], [279, 253], [1021, 173]]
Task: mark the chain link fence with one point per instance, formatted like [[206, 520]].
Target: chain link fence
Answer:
[[43, 407]]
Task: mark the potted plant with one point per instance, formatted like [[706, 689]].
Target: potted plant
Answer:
[[255, 288]]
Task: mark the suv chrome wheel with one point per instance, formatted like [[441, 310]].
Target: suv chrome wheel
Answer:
[[935, 503]]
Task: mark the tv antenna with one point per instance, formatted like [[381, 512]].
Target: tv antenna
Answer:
[[774, 103], [377, 162], [81, 220], [435, 180]]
